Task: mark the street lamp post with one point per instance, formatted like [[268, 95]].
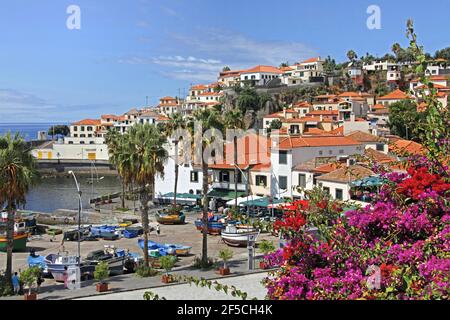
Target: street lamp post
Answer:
[[79, 214], [246, 180]]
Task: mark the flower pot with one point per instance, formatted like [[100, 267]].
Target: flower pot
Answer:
[[263, 265], [101, 287], [31, 296], [224, 271], [167, 278]]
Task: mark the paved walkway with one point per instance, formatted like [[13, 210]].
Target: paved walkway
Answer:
[[131, 282], [250, 283]]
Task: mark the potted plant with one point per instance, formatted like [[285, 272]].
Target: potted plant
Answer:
[[29, 277], [265, 247], [225, 255], [167, 263], [100, 274]]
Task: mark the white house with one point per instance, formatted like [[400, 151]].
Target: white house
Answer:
[[286, 153], [259, 75], [338, 182]]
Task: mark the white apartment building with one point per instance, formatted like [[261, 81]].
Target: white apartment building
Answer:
[[259, 75]]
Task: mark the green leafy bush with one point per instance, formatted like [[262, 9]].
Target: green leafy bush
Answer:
[[101, 271], [145, 272], [225, 254], [266, 247], [29, 277], [167, 263], [198, 263]]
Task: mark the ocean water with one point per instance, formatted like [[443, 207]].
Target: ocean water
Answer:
[[55, 193], [28, 131]]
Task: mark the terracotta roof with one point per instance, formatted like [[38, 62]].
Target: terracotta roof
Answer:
[[328, 167], [338, 131], [395, 95], [381, 111], [349, 94], [324, 112], [312, 164], [302, 104], [304, 142], [301, 120], [252, 149], [361, 136], [378, 156], [199, 87], [311, 60], [133, 111], [87, 122], [167, 98], [286, 69], [109, 116], [403, 147], [347, 174], [265, 69], [315, 131], [432, 78], [378, 106], [261, 167], [275, 115]]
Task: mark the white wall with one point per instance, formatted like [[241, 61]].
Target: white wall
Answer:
[[336, 185]]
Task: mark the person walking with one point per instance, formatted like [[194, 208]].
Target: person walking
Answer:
[[16, 283], [65, 277], [158, 230]]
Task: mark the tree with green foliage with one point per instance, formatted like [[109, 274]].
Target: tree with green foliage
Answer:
[[276, 124], [403, 118], [443, 54], [147, 155], [17, 174], [226, 68], [209, 119], [248, 99], [351, 55], [234, 120], [58, 130]]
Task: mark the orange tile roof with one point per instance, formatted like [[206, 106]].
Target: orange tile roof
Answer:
[[260, 69], [378, 156], [301, 120], [378, 106], [302, 104], [327, 168], [256, 150], [305, 142], [361, 136], [349, 94], [275, 115], [311, 60], [403, 147], [167, 98], [316, 131], [198, 87], [109, 116], [286, 69], [87, 122], [338, 131], [435, 78], [324, 112], [347, 174], [395, 95]]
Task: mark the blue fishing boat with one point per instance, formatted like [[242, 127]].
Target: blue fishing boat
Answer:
[[216, 223], [157, 249]]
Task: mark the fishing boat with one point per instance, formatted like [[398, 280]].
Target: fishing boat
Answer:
[[19, 238], [216, 223], [157, 249], [114, 257], [170, 218], [238, 237], [58, 263]]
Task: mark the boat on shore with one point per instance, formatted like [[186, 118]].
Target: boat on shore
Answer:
[[157, 249], [20, 236], [238, 237], [170, 218], [114, 257], [216, 223]]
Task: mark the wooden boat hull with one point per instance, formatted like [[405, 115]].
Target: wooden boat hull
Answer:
[[19, 244], [214, 228], [237, 239], [171, 219]]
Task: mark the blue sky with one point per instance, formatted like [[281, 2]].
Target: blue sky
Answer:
[[129, 49]]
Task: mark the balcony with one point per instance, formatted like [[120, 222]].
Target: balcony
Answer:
[[228, 186]]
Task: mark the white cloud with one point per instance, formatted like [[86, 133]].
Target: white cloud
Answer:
[[17, 106], [238, 49]]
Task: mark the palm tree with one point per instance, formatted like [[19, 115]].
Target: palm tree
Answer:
[[351, 55], [17, 173], [209, 119], [396, 49], [147, 155], [176, 122], [234, 119], [118, 158]]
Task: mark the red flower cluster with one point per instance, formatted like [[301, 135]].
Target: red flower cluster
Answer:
[[293, 219], [422, 181], [387, 269]]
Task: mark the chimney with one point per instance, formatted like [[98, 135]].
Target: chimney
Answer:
[[321, 118], [284, 112]]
